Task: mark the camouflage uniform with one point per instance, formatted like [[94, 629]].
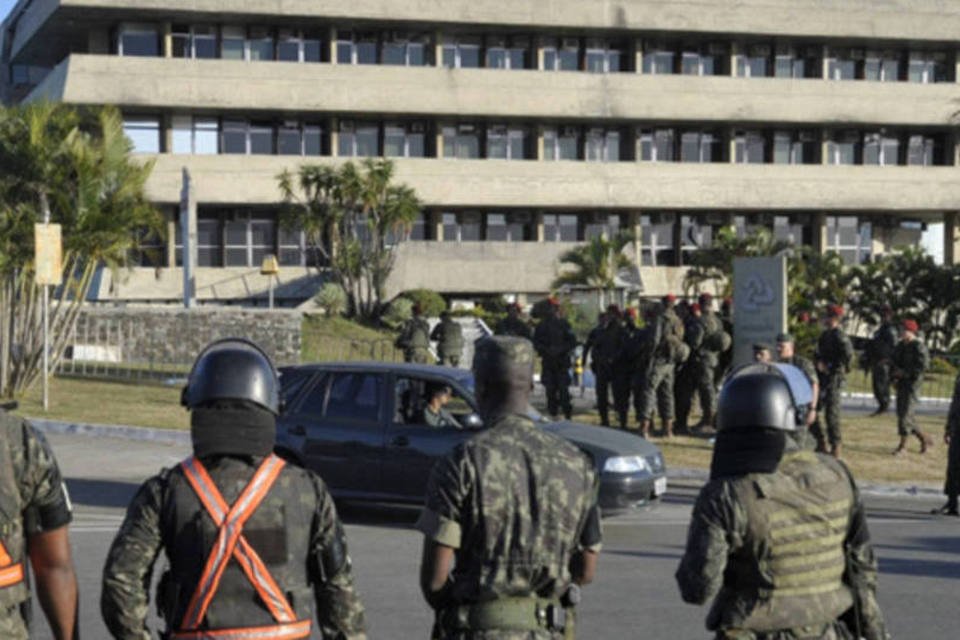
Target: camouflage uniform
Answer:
[[606, 343], [909, 361], [33, 500], [295, 530], [513, 326], [516, 503], [784, 555], [834, 352], [448, 335], [951, 486], [696, 377], [555, 342], [414, 341], [657, 388], [881, 351]]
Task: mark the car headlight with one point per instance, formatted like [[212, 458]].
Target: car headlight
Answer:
[[625, 464]]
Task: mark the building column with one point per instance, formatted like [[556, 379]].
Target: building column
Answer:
[[825, 146], [438, 48], [734, 52], [438, 139], [638, 56], [818, 224], [825, 63], [732, 145], [538, 49], [541, 149], [334, 137], [435, 220], [539, 229], [678, 240], [167, 40], [951, 238], [166, 133], [172, 237], [953, 140], [332, 47], [636, 228]]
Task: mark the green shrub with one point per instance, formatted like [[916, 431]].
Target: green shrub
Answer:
[[431, 303], [942, 365], [398, 312], [332, 299]]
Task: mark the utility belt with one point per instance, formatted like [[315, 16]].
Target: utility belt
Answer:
[[506, 614], [830, 631]]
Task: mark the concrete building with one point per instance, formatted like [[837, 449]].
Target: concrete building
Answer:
[[525, 127]]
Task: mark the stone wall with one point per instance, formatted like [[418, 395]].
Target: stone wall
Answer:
[[176, 336]]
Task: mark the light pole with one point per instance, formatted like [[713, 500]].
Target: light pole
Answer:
[[270, 268]]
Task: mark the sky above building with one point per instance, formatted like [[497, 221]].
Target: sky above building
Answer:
[[5, 6]]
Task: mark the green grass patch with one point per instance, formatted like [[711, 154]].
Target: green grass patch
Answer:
[[329, 339]]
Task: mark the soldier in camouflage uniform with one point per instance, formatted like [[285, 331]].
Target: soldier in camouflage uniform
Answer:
[[510, 522], [664, 343], [881, 348], [834, 352], [951, 438], [254, 546], [910, 360], [606, 343], [703, 333], [687, 380], [786, 354], [448, 335], [414, 339], [555, 342], [778, 537], [34, 523], [513, 324]]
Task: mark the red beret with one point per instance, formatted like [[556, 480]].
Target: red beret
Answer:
[[911, 325], [553, 302], [695, 307], [670, 297], [630, 312], [834, 311], [705, 297]]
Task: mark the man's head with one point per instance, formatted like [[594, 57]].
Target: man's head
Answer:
[[438, 394], [513, 310], [831, 318], [785, 346], [909, 329], [669, 301], [695, 309], [705, 300], [503, 374], [233, 394], [553, 306], [444, 315], [630, 315], [762, 352], [886, 312]]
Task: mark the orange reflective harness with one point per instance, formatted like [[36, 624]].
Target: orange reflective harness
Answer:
[[231, 543], [10, 573]]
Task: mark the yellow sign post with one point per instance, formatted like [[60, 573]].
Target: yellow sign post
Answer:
[[48, 270], [270, 268]]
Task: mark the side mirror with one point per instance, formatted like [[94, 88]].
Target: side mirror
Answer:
[[473, 421]]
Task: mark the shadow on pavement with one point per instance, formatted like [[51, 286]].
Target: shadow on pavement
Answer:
[[643, 554], [920, 568], [378, 515], [101, 493], [929, 544]]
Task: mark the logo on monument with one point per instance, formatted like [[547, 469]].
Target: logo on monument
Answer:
[[759, 293]]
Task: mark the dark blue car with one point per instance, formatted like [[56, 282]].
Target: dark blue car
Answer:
[[360, 425]]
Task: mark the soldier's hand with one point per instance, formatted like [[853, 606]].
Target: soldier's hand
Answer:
[[946, 438]]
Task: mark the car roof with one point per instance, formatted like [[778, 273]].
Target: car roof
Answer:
[[384, 367]]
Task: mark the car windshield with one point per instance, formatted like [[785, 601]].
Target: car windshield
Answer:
[[466, 381]]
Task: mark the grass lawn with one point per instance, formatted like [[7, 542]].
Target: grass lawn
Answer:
[[868, 443], [95, 402], [341, 339]]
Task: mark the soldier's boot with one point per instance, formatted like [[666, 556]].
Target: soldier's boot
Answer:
[[645, 428], [835, 450], [705, 424], [605, 418], [926, 441], [668, 428], [902, 447]]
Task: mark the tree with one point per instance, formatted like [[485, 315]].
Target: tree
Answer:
[[595, 264], [74, 163], [714, 265], [351, 217]]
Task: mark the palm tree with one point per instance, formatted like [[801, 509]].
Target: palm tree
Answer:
[[714, 264], [595, 264], [74, 163]]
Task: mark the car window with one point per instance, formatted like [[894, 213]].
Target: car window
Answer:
[[292, 382], [412, 396], [314, 403], [354, 396]]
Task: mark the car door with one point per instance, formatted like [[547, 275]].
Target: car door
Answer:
[[341, 417], [411, 446]]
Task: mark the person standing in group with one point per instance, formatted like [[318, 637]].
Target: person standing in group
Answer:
[[254, 545], [511, 526], [606, 344], [951, 437], [513, 324], [555, 343], [414, 338], [787, 354], [687, 380], [448, 334], [762, 352], [834, 352], [909, 362], [663, 344], [34, 526], [880, 351], [778, 537]]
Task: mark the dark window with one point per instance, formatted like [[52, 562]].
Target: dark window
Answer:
[[560, 227], [260, 44], [354, 396], [292, 383], [138, 40], [234, 136], [314, 403]]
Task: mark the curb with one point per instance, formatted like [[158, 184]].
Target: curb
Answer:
[[172, 437], [123, 432]]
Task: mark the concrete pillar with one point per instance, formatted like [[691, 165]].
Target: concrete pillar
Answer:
[[167, 43], [439, 139], [166, 133], [435, 219], [539, 229], [956, 66], [953, 139], [636, 228], [824, 62], [332, 46], [951, 238], [678, 240], [538, 44], [818, 224], [334, 137], [732, 145], [171, 216], [438, 48], [734, 52], [541, 152], [824, 146], [638, 55]]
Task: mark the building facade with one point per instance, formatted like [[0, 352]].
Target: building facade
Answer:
[[525, 127]]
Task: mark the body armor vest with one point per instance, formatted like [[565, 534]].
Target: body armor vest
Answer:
[[261, 524], [790, 571], [13, 587]]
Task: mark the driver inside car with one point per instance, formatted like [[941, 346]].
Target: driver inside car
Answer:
[[436, 397]]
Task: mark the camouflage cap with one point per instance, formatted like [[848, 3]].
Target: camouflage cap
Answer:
[[785, 337], [504, 359]]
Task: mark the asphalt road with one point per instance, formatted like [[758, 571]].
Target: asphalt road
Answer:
[[635, 594]]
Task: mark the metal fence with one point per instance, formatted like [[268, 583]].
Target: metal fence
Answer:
[[936, 388]]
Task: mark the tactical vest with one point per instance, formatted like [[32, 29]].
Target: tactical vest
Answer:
[[237, 571], [13, 586], [791, 573]]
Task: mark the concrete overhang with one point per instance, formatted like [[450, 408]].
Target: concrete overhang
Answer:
[[247, 88], [235, 180]]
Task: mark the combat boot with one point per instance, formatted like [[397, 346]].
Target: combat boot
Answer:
[[605, 419], [901, 447]]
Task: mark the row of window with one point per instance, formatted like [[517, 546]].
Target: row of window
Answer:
[[418, 139], [242, 238], [598, 55]]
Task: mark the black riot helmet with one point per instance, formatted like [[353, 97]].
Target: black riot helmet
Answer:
[[764, 396], [233, 369]]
